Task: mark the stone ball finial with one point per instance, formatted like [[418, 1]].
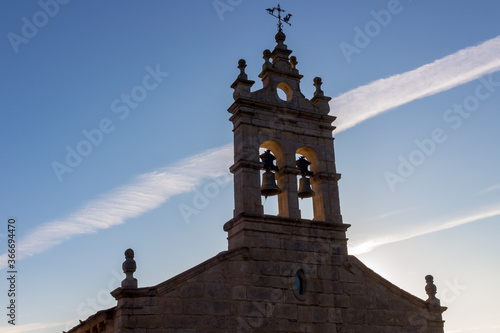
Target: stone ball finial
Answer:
[[129, 254], [431, 290], [242, 64], [129, 266], [317, 83], [280, 37], [293, 61]]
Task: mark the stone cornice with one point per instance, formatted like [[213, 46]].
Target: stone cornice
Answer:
[[285, 221]]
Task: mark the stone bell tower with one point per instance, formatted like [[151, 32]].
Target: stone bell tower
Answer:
[[286, 127], [282, 273]]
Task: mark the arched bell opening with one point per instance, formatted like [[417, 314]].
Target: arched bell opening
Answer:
[[270, 154], [306, 161], [305, 192]]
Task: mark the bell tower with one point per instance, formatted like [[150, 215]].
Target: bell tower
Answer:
[[285, 127]]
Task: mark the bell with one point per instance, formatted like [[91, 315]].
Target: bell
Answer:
[[269, 187], [305, 190]]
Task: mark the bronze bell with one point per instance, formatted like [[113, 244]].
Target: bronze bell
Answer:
[[269, 187], [305, 190]]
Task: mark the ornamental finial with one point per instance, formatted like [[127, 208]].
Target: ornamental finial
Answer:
[[285, 19], [317, 83], [431, 289], [129, 268], [242, 64]]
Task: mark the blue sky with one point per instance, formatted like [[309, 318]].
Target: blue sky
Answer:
[[416, 94]]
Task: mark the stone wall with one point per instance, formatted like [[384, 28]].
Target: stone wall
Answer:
[[253, 289]]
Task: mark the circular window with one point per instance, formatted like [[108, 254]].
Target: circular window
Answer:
[[284, 91], [300, 282]]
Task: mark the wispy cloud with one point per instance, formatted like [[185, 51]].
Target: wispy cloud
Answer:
[[148, 191], [371, 244], [385, 215], [362, 103], [482, 329], [490, 189], [30, 327]]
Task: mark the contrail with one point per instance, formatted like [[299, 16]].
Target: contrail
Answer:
[[371, 244], [365, 102], [147, 192]]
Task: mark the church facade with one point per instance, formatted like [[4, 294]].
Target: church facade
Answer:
[[280, 273]]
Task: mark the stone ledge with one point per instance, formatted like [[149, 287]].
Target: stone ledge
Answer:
[[310, 114], [286, 221]]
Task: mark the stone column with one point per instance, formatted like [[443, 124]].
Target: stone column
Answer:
[[288, 200]]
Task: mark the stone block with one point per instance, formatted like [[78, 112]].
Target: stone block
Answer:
[[355, 316], [196, 306], [327, 272], [287, 268], [270, 242], [217, 290], [342, 301], [223, 307], [288, 311], [181, 322], [354, 289], [319, 315], [268, 268], [145, 321], [270, 281], [327, 300], [239, 292], [144, 310], [195, 289], [305, 327], [214, 322], [259, 293], [362, 302], [337, 287], [377, 317], [304, 313], [170, 305], [326, 327], [292, 244], [346, 276]]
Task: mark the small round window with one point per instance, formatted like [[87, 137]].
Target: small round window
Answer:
[[284, 91], [300, 282]]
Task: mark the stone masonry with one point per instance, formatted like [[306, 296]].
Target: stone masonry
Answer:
[[280, 273]]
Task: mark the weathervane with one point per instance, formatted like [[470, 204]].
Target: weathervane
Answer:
[[270, 11]]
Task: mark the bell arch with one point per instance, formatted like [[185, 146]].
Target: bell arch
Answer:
[[312, 156], [276, 148], [269, 188], [307, 163]]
